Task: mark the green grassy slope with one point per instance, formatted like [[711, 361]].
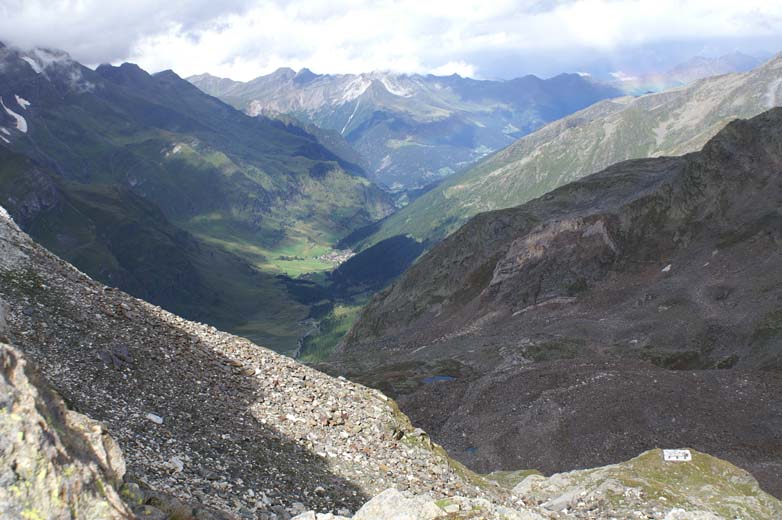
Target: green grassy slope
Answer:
[[125, 241]]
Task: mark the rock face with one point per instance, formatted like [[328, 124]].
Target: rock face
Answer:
[[54, 463], [562, 318]]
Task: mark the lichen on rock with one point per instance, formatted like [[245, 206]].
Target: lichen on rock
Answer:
[[54, 463]]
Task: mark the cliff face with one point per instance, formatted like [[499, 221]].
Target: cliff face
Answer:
[[556, 319]]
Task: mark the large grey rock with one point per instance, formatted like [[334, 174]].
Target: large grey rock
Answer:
[[393, 505], [54, 464], [681, 514]]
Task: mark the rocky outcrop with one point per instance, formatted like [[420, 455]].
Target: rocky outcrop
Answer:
[[54, 463], [562, 318], [412, 130], [648, 486]]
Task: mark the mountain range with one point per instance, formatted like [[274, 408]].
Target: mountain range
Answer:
[[638, 305], [149, 184], [697, 67], [609, 284], [671, 122], [412, 129]]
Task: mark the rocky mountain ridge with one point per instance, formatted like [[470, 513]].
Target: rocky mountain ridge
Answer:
[[214, 427], [672, 122], [637, 304], [151, 185], [412, 129], [688, 71]]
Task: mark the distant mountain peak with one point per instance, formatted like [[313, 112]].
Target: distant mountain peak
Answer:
[[413, 129], [40, 60], [285, 72], [126, 73], [304, 75], [774, 62]]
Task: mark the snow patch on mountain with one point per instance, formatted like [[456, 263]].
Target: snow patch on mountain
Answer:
[[173, 151], [355, 88], [33, 64], [42, 59], [4, 139], [342, 132], [395, 88], [5, 131], [22, 102], [48, 58], [45, 62], [21, 122]]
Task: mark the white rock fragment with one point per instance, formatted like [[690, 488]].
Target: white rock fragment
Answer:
[[311, 515], [667, 268], [176, 464], [155, 418]]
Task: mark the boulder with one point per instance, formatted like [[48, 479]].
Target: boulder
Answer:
[[393, 505], [54, 463]]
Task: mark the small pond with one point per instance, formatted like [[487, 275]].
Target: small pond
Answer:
[[437, 379]]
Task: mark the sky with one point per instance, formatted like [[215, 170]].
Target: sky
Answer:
[[242, 39]]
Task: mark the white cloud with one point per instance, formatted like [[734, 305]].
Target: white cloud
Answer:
[[623, 76], [245, 38], [460, 67]]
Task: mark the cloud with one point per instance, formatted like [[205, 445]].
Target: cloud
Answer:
[[622, 76], [96, 31], [245, 38], [460, 67]]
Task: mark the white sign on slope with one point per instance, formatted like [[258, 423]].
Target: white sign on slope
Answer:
[[677, 455]]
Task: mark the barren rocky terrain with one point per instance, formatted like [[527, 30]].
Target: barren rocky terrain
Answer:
[[637, 307], [203, 415], [114, 408]]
